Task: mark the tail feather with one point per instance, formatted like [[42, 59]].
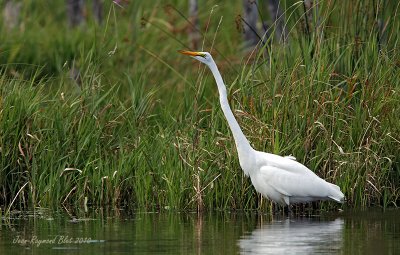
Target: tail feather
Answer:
[[337, 199], [337, 194]]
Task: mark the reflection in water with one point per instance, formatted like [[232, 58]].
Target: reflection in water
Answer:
[[124, 232], [299, 236]]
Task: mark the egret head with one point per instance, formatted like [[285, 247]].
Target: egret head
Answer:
[[203, 57]]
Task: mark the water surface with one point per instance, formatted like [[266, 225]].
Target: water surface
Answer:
[[119, 232]]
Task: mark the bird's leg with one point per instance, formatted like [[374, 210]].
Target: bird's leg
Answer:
[[288, 211]]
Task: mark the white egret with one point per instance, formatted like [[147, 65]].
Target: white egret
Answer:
[[281, 179]]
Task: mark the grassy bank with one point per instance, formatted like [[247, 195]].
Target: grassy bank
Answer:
[[142, 126]]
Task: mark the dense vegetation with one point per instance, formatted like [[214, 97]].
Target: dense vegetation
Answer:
[[141, 125]]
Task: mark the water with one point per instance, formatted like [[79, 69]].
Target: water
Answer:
[[119, 232]]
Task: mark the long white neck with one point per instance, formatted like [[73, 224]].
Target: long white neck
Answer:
[[242, 144]]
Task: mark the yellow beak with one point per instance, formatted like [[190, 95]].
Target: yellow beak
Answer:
[[191, 53]]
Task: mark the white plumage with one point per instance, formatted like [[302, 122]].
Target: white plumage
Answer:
[[281, 179]]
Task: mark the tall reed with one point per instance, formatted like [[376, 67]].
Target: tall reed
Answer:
[[142, 127]]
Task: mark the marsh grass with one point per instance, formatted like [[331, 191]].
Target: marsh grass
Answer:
[[143, 128]]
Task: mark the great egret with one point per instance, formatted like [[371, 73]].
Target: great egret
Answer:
[[281, 179]]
